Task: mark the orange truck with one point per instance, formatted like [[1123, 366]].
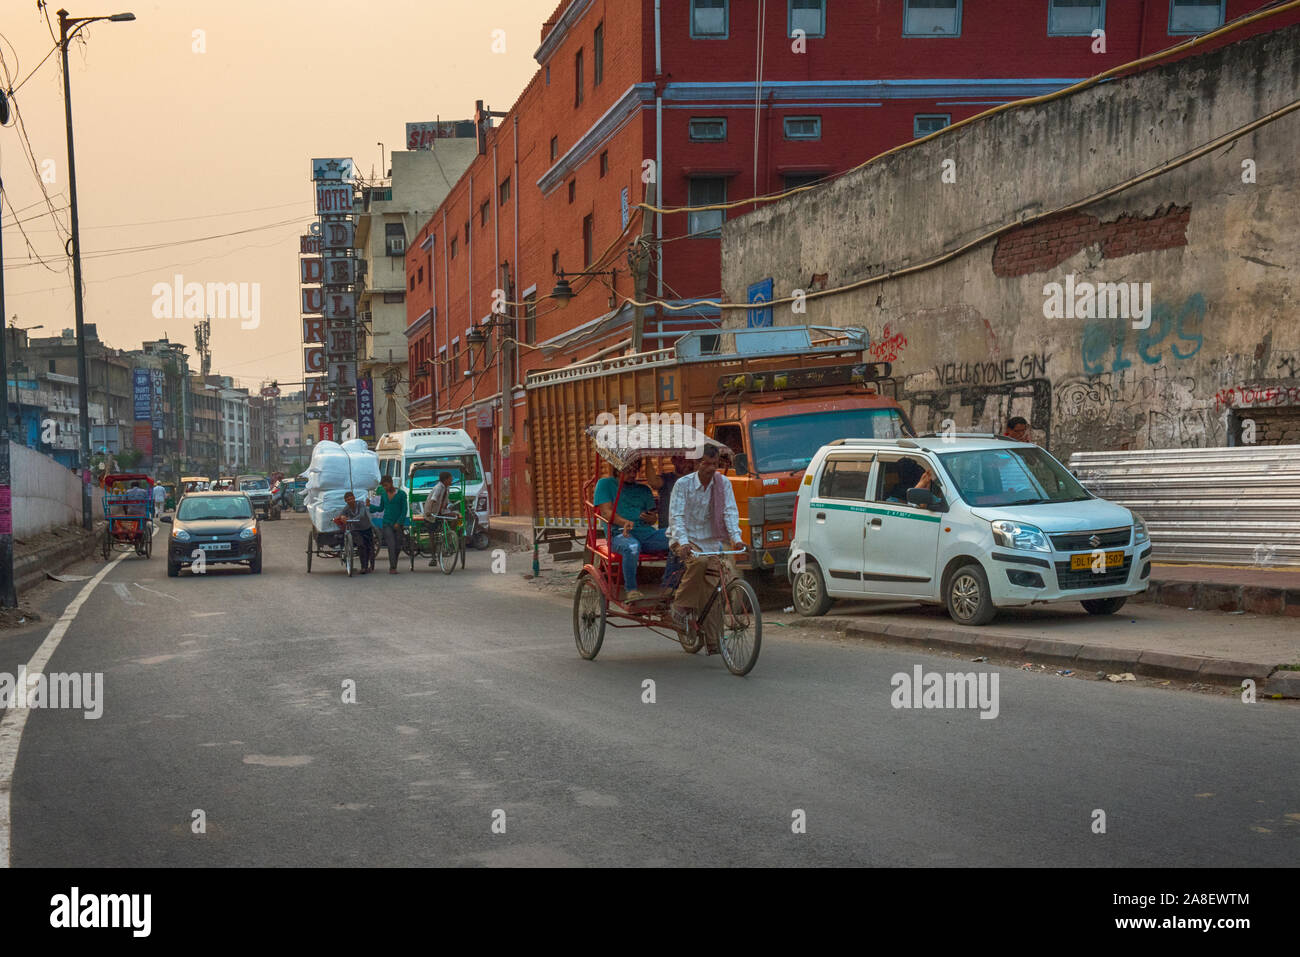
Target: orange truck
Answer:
[[774, 395]]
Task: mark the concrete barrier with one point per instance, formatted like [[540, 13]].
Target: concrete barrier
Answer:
[[45, 494]]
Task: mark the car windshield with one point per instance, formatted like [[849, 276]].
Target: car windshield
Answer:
[[200, 509], [788, 443], [253, 485], [463, 468], [1011, 476]]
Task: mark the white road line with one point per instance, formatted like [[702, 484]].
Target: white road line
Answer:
[[156, 591], [15, 719], [124, 592]]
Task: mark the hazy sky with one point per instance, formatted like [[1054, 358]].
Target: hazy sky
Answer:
[[174, 144]]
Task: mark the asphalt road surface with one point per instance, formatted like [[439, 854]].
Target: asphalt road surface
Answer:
[[473, 715]]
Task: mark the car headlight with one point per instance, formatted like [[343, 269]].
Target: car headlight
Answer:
[[1021, 536], [180, 535], [248, 533], [1140, 534]]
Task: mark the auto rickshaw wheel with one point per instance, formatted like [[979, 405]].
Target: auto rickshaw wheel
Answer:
[[589, 611], [311, 547]]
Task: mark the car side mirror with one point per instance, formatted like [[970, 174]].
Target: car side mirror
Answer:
[[740, 462], [166, 519], [922, 498]]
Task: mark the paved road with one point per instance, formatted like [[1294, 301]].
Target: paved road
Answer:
[[223, 693]]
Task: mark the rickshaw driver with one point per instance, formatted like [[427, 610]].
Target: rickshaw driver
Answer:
[[357, 517], [637, 513], [437, 506], [702, 517]]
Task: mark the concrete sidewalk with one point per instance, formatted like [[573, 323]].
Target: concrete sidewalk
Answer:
[[1260, 591], [1145, 639]]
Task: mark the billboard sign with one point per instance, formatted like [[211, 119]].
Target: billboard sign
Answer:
[[339, 271], [309, 245], [760, 292], [331, 170], [313, 299], [366, 407], [337, 235], [141, 390], [312, 270], [313, 361], [340, 305], [420, 136], [333, 199]]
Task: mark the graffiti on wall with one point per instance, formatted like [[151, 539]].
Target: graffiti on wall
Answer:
[[889, 347], [1112, 345], [981, 396]]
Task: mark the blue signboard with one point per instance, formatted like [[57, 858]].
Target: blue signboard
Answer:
[[142, 393], [760, 292], [366, 408]]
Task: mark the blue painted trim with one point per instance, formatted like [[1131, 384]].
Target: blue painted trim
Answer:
[[1011, 87]]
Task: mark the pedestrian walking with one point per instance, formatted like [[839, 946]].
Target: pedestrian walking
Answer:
[[392, 503], [159, 498]]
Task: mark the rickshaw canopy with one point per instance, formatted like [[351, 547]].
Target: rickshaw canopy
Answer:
[[120, 478], [620, 445]]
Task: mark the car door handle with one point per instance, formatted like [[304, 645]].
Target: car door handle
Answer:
[[821, 516], [875, 523]]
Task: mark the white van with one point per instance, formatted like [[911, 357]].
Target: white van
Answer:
[[436, 450], [995, 524]]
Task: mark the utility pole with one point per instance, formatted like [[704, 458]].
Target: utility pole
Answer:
[[641, 267], [8, 597]]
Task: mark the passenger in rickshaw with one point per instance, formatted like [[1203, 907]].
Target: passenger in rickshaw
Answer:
[[637, 513], [702, 516], [136, 497]]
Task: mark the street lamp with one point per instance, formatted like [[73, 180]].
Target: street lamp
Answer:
[[563, 291], [83, 399]]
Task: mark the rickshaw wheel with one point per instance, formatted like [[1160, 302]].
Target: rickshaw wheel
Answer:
[[148, 543], [589, 609], [742, 628], [692, 641], [347, 552], [451, 550], [311, 546]]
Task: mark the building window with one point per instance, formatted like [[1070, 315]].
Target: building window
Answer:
[[391, 297], [598, 55], [453, 247], [808, 16], [1075, 18], [555, 263], [706, 191], [795, 180], [709, 19], [577, 78], [548, 74], [588, 239], [530, 318], [932, 18], [923, 124], [803, 127], [455, 362], [412, 283], [442, 369], [604, 162], [573, 189], [467, 232], [483, 212], [1194, 16], [419, 277], [503, 192], [395, 234], [555, 148], [710, 130]]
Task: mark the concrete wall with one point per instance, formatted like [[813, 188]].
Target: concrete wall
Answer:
[[45, 494], [970, 340]]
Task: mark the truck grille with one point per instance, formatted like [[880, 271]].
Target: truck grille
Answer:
[[1079, 541], [774, 509], [1087, 578]]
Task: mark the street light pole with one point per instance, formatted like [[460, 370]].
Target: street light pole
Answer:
[[83, 386]]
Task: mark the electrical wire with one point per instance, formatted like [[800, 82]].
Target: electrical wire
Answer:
[[1175, 50], [1171, 164]]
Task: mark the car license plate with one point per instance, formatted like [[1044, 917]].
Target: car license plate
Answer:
[[1083, 562], [213, 546]]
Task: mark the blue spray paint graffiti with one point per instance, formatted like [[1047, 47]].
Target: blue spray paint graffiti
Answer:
[[1184, 322]]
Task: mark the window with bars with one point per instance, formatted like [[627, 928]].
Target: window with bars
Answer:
[[924, 124], [803, 127], [708, 129], [706, 191]]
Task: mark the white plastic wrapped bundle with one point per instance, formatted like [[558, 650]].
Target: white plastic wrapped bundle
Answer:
[[324, 505], [340, 467]]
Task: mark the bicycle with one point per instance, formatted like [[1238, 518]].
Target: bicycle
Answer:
[[730, 623]]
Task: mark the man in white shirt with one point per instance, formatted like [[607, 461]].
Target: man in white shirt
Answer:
[[159, 498], [438, 503], [702, 517]]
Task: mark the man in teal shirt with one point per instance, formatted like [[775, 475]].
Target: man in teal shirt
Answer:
[[635, 518], [392, 502]]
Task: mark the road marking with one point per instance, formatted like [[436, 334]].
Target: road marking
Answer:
[[124, 592], [156, 591], [15, 719]]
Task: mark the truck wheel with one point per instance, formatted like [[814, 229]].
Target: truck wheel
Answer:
[[967, 596], [1103, 606], [810, 598]]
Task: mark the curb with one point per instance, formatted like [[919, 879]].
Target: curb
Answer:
[[1215, 596], [1088, 658], [508, 536], [30, 569]]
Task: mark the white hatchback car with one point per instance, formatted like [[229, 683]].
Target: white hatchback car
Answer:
[[974, 523]]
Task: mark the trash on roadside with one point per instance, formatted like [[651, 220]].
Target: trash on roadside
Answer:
[[1066, 673], [1126, 676], [981, 658], [788, 608], [1100, 675]]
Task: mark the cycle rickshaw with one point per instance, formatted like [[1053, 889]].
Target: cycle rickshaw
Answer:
[[446, 544], [345, 544], [731, 616], [130, 518]]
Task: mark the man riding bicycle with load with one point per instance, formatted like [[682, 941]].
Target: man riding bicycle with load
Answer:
[[702, 517], [438, 508], [356, 517]]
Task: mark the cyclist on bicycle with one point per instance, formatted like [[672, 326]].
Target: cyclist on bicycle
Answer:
[[702, 517], [438, 508], [356, 517]]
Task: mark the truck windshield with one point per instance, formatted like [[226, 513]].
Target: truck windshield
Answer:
[[463, 468], [1013, 476], [788, 443], [253, 485]]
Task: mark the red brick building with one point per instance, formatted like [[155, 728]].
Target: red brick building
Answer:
[[686, 90]]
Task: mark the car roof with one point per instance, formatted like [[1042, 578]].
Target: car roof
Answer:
[[968, 442], [220, 494]]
